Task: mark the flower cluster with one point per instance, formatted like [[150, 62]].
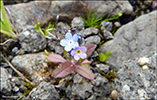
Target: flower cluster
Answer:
[[76, 56], [72, 46]]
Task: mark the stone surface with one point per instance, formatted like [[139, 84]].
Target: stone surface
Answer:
[[107, 35], [132, 40], [31, 65], [89, 31], [29, 14], [99, 80], [78, 23], [45, 11], [93, 40], [106, 26], [79, 91], [101, 87], [5, 86], [31, 40], [103, 67], [133, 82], [44, 91]]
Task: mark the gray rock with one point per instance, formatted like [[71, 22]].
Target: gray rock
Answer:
[[15, 49], [93, 40], [99, 81], [103, 67], [31, 65], [44, 91], [15, 89], [133, 82], [63, 28], [125, 6], [30, 13], [51, 43], [18, 94], [89, 31], [58, 49], [31, 40], [132, 40], [101, 87], [79, 90], [93, 97], [44, 11], [108, 35], [16, 81], [5, 87], [78, 23], [106, 26], [22, 88], [77, 8]]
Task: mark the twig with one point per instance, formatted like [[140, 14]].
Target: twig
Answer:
[[7, 41], [12, 22], [14, 29], [9, 13], [19, 73]]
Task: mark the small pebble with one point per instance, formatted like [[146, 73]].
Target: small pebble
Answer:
[[80, 80], [145, 67], [114, 94], [117, 24], [143, 61], [15, 89]]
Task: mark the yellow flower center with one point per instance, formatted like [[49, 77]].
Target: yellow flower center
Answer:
[[78, 51], [70, 42]]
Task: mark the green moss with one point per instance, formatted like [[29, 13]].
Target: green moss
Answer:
[[28, 85], [114, 29], [62, 94], [110, 76]]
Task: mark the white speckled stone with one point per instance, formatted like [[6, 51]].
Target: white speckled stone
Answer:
[[143, 61], [145, 67]]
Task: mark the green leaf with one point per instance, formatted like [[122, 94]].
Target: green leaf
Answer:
[[93, 16], [3, 26], [4, 16], [120, 14], [104, 57], [7, 33]]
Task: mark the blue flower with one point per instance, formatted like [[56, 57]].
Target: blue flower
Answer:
[[70, 41]]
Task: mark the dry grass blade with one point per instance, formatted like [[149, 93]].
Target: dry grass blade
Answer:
[[19, 73]]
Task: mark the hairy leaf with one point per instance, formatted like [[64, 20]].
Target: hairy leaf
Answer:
[[85, 72], [64, 69], [56, 58], [86, 62], [90, 49]]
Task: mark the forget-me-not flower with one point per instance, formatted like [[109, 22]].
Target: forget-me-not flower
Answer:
[[79, 52], [70, 41]]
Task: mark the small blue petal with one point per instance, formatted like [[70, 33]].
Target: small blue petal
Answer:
[[75, 44], [75, 38], [79, 35], [68, 48], [63, 42], [68, 35]]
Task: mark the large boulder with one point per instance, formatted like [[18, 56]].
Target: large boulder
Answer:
[[132, 40], [29, 13], [44, 11], [31, 65], [134, 82]]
